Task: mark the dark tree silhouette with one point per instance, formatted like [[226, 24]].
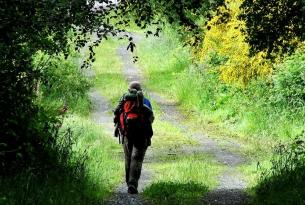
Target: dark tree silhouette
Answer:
[[275, 24], [28, 133]]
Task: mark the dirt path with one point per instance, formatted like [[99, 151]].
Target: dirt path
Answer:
[[102, 115], [231, 186]]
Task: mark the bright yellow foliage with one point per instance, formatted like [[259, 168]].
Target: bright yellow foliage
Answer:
[[226, 39]]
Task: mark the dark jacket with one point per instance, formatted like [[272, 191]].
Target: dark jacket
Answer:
[[137, 130]]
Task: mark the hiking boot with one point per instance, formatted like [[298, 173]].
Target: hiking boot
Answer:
[[132, 189]]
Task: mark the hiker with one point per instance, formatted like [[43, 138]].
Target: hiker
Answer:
[[134, 117]]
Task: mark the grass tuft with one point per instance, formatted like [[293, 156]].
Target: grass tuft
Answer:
[[175, 193]]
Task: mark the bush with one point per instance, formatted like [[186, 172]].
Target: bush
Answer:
[[284, 183], [85, 174], [289, 82], [58, 86], [225, 38], [249, 112], [274, 25]]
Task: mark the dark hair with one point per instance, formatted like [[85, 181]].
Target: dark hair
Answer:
[[134, 85]]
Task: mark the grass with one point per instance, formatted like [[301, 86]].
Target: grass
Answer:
[[182, 178], [282, 181], [175, 192], [252, 118], [89, 173], [247, 112], [224, 111], [221, 110], [103, 154], [229, 112], [108, 71], [179, 178], [87, 183], [162, 59]]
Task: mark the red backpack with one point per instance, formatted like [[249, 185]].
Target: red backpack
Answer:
[[133, 102]]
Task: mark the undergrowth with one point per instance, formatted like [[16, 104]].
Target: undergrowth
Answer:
[[79, 167], [255, 112], [257, 117], [87, 177], [283, 183]]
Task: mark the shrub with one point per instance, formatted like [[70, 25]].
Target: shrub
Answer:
[[289, 81], [85, 174], [284, 182], [274, 25], [62, 82], [226, 38]]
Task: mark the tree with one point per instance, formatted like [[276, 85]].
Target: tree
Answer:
[[186, 15], [274, 25], [27, 27], [27, 131]]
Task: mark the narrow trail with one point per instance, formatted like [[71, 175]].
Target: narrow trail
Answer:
[[102, 115], [230, 190]]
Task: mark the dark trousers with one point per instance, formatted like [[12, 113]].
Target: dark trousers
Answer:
[[134, 156]]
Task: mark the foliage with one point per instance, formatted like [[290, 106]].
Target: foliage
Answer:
[[62, 83], [275, 25], [175, 192], [185, 15], [29, 27], [249, 113], [87, 176], [289, 81], [284, 182], [225, 38]]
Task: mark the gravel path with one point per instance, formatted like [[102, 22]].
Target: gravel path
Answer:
[[102, 115], [230, 190]]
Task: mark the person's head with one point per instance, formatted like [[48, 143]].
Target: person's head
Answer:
[[135, 85]]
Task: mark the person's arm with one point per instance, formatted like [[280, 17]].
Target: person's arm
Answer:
[[119, 107], [151, 113], [147, 103]]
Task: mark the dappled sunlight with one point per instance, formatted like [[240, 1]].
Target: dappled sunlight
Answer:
[[208, 97]]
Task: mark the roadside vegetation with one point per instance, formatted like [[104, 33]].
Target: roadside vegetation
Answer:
[[84, 152], [236, 68], [238, 93]]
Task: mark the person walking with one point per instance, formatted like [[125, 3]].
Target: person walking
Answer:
[[134, 117]]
